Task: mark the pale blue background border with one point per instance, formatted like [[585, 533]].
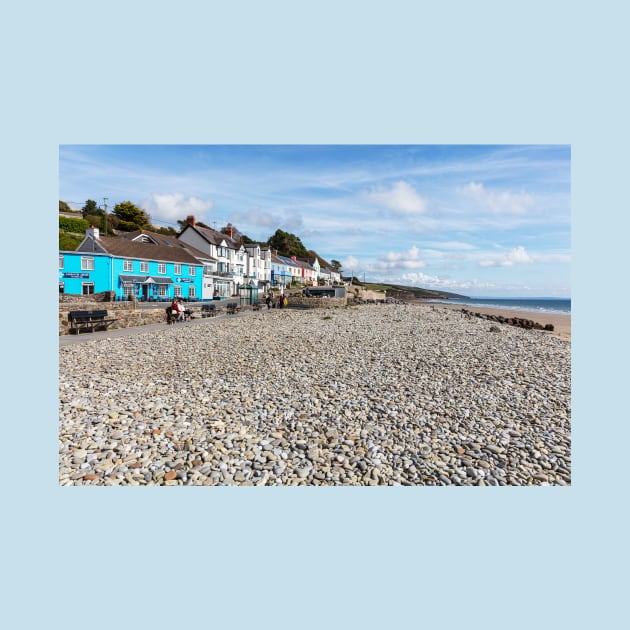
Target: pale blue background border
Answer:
[[306, 72]]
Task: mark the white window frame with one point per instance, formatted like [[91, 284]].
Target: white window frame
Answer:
[[127, 265], [144, 266], [162, 268], [177, 290], [192, 293], [191, 270], [178, 269], [61, 261], [87, 263], [162, 290], [87, 285]]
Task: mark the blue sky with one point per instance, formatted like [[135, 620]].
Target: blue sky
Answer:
[[477, 220]]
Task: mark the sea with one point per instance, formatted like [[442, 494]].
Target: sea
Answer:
[[534, 305]]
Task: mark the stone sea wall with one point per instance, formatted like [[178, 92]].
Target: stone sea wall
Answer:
[[127, 314], [124, 312]]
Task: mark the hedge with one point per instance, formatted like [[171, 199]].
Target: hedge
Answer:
[[77, 226]]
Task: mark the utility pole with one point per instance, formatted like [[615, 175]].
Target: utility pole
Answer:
[[105, 207]]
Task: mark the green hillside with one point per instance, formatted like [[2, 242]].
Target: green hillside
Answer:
[[401, 292]]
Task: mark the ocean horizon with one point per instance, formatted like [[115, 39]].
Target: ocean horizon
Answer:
[[534, 305]]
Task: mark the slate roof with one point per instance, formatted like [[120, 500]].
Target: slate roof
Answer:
[[132, 249], [169, 241], [215, 237]]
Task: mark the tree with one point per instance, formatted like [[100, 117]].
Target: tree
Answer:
[[64, 207], [130, 217], [91, 209], [287, 244], [336, 265]]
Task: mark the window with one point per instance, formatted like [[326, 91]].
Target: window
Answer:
[[191, 270], [128, 290], [162, 290], [191, 292], [60, 261], [87, 263], [128, 265], [61, 288], [87, 288], [207, 270], [177, 291], [144, 267], [178, 269], [161, 267], [222, 251]]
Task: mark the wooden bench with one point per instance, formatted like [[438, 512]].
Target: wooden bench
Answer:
[[92, 320], [208, 310], [232, 308], [172, 316]]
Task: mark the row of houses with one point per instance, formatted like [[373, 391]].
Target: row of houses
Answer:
[[198, 264]]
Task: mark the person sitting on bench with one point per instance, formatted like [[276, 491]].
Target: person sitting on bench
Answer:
[[178, 309]]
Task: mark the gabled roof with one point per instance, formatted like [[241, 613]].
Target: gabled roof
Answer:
[[126, 248], [288, 261], [305, 264], [323, 263], [277, 259], [213, 236], [145, 236]]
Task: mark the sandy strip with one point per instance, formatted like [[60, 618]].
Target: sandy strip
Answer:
[[561, 323]]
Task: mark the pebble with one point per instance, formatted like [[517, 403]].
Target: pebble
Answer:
[[389, 394]]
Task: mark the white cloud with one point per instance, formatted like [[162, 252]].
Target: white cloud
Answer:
[[170, 207], [255, 217], [400, 198], [516, 256], [349, 265], [497, 202], [443, 283], [401, 260]]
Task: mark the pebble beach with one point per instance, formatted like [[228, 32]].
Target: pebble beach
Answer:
[[391, 394]]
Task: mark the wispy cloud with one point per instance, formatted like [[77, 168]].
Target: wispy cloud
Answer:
[[496, 201], [434, 215], [257, 218]]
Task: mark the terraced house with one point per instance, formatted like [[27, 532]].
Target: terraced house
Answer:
[[197, 264], [130, 267], [236, 264]]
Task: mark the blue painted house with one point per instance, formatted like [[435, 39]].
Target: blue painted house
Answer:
[[145, 269]]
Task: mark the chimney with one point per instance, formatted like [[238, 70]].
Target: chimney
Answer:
[[228, 230], [190, 220], [93, 232]]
